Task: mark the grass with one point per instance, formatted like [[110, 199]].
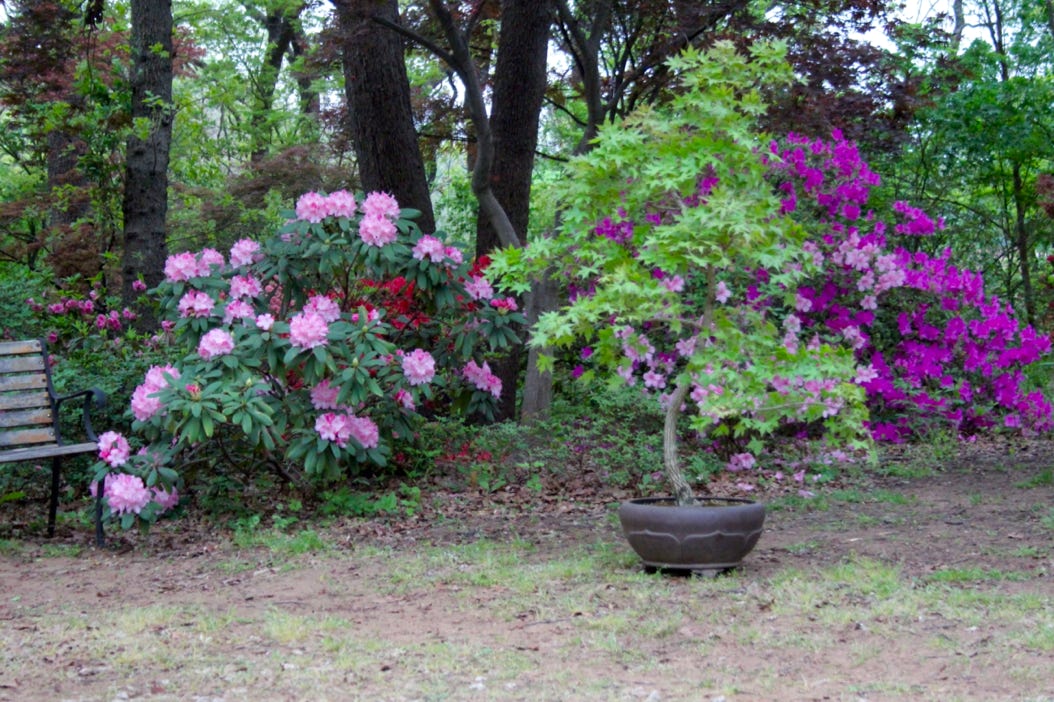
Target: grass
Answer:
[[502, 620], [1043, 479]]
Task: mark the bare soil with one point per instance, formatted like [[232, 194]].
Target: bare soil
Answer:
[[988, 508]]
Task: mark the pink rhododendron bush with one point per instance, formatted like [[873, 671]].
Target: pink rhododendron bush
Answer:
[[747, 284], [317, 349]]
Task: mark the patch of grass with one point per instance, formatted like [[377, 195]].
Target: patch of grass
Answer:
[[1044, 479], [973, 575], [860, 496], [803, 547], [61, 550], [798, 503], [910, 470]]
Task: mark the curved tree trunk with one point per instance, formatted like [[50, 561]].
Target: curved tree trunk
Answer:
[[379, 111], [145, 203]]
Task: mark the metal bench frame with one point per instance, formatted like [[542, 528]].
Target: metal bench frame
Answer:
[[29, 419]]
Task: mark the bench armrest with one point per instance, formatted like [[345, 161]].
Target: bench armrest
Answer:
[[93, 396]]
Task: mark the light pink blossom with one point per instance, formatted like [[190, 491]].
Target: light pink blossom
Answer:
[[209, 259], [431, 248], [479, 288], [722, 293], [244, 253], [324, 395], [308, 330], [180, 267], [334, 427], [166, 500], [245, 286], [323, 306], [482, 378], [217, 342], [341, 204], [311, 207], [238, 309], [264, 322], [126, 494], [114, 449], [419, 367], [378, 204], [144, 404], [365, 431], [195, 303], [377, 231]]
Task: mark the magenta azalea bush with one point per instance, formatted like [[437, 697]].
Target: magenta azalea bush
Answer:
[[315, 350], [939, 351]]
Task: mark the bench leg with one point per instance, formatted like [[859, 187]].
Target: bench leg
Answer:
[[100, 537], [53, 506]]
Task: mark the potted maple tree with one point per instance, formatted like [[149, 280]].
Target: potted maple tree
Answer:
[[682, 271]]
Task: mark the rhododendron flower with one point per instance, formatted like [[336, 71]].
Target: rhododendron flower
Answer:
[[454, 255], [419, 367], [324, 306], [181, 267], [209, 259], [245, 286], [507, 304], [114, 449], [430, 247], [311, 207], [365, 431], [377, 231], [479, 288], [195, 303], [238, 309], [138, 285], [341, 204], [334, 427], [378, 204], [126, 494], [166, 500], [308, 330], [482, 378], [405, 400], [244, 253], [324, 395], [217, 342], [143, 405], [264, 322]]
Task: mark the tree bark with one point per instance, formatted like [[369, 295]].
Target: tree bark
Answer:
[[281, 32], [519, 89], [145, 204], [380, 114]]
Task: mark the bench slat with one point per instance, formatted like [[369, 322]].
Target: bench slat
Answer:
[[23, 400], [10, 348], [21, 364], [35, 381], [26, 417], [35, 453], [21, 437]]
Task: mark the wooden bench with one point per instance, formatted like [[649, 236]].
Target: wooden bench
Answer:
[[29, 418]]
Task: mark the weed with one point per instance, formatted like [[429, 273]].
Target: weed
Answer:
[[1047, 520], [1044, 479], [972, 575]]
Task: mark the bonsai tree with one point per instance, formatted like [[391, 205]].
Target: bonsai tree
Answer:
[[683, 268]]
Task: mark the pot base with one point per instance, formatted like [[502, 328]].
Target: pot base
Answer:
[[707, 538]]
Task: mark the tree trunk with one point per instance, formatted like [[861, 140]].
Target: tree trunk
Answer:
[[280, 35], [519, 88], [1024, 246], [145, 203], [380, 114]]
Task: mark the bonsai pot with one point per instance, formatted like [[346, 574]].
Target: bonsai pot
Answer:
[[712, 535]]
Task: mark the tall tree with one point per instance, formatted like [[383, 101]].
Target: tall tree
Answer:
[[379, 112], [145, 204]]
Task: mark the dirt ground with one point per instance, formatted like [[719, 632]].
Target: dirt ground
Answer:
[[989, 508]]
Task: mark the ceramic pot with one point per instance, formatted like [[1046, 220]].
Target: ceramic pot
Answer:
[[712, 535]]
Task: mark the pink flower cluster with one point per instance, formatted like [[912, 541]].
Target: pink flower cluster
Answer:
[[215, 342], [182, 267], [113, 449], [419, 367], [482, 378], [308, 330], [145, 403], [338, 428], [128, 494]]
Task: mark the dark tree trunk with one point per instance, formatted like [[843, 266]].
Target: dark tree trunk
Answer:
[[379, 109], [145, 204]]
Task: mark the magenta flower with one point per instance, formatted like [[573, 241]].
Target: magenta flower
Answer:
[[114, 449], [308, 330], [419, 367], [217, 342]]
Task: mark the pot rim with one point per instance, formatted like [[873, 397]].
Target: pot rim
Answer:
[[700, 500]]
